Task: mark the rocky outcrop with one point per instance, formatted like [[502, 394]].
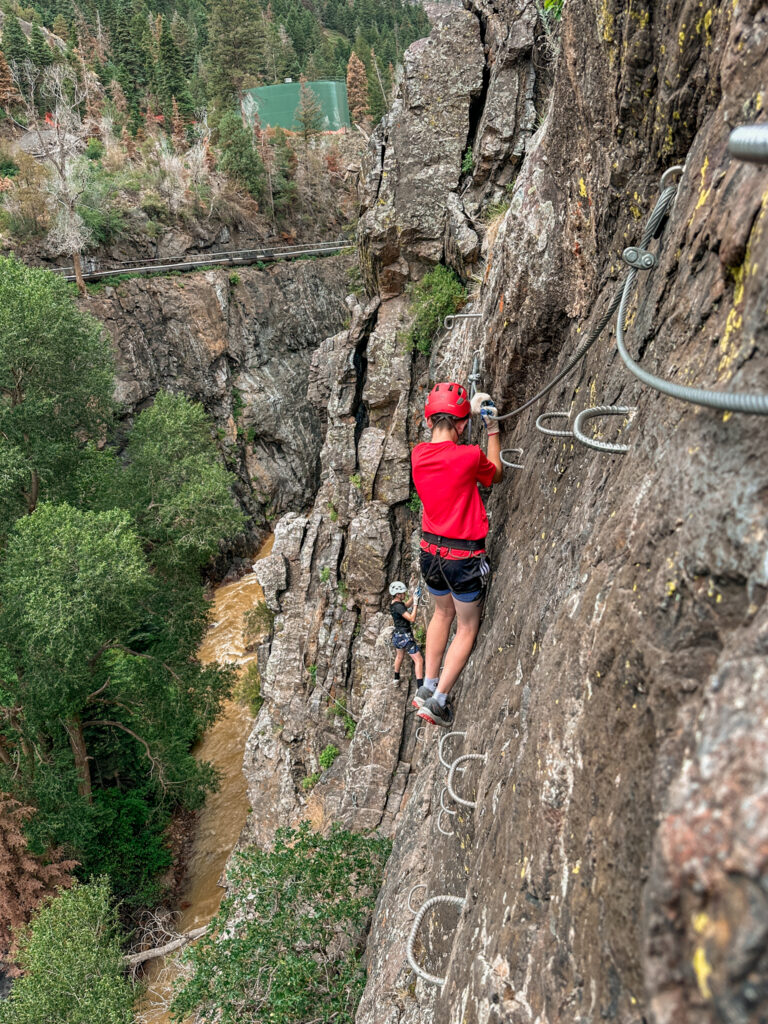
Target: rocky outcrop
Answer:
[[241, 345], [327, 675], [614, 864], [453, 140]]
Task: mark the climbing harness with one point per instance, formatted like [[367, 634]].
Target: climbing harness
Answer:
[[507, 462], [452, 771], [449, 321], [750, 142], [552, 416], [730, 401], [443, 738], [591, 442], [454, 901]]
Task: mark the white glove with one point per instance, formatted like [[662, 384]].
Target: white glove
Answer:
[[483, 404]]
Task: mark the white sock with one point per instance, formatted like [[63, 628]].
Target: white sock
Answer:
[[441, 698], [431, 684]]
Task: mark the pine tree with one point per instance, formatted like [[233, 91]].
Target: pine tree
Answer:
[[8, 91], [171, 80], [15, 45], [309, 115], [60, 27], [357, 89], [40, 51], [25, 880], [236, 49]]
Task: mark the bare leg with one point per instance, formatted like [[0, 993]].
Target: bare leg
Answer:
[[437, 634], [399, 660], [418, 664], [468, 616]]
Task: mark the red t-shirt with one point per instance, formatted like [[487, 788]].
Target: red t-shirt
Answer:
[[446, 476]]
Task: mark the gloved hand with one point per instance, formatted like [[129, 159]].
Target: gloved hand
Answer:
[[483, 403], [417, 593]]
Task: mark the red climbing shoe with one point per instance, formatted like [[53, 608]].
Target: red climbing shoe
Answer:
[[431, 712]]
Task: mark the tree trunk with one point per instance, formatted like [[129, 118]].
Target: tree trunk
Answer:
[[170, 947], [74, 729], [79, 274], [34, 492]]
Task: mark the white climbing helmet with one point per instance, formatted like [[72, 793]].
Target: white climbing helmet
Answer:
[[397, 588]]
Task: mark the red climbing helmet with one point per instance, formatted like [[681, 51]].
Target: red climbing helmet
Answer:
[[447, 397]]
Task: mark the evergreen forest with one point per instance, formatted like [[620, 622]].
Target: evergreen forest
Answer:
[[148, 53]]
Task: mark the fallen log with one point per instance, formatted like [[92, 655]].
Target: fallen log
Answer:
[[135, 959]]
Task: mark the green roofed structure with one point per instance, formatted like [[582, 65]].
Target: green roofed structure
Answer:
[[276, 104]]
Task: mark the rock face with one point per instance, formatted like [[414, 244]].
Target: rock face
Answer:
[[614, 865], [243, 350]]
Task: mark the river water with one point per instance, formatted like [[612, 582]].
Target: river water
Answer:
[[220, 821]]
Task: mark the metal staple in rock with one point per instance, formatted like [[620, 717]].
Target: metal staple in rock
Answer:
[[440, 828], [452, 317], [454, 901], [443, 738], [419, 885], [507, 462], [590, 442], [552, 416], [452, 771]]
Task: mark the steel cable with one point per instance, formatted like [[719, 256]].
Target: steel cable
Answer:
[[727, 400], [650, 230]]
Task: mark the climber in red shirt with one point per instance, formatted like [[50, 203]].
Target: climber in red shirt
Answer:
[[454, 525]]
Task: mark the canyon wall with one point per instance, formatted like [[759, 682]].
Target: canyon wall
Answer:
[[614, 864], [241, 344]]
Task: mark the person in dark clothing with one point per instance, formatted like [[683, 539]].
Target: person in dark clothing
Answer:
[[402, 638]]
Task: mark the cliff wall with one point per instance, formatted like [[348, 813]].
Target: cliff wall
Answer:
[[614, 866], [241, 345]]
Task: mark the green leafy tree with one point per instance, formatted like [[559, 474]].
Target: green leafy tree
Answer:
[[56, 382], [70, 584], [72, 963], [176, 487], [287, 942]]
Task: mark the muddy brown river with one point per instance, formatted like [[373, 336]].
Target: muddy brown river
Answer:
[[220, 821]]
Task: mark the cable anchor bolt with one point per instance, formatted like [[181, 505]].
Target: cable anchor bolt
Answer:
[[639, 258]]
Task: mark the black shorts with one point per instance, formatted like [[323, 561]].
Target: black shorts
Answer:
[[465, 578]]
